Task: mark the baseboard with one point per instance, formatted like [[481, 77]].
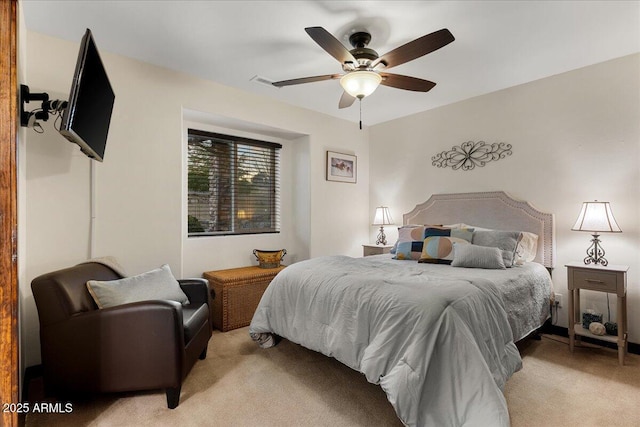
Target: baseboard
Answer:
[[547, 328]]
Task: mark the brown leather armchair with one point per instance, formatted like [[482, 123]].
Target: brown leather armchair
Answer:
[[139, 346]]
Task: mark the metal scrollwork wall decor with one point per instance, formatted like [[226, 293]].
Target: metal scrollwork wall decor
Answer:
[[468, 155]]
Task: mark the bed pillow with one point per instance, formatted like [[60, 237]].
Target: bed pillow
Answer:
[[400, 236], [411, 240], [527, 248], [457, 225], [507, 241], [158, 284], [437, 247], [405, 235], [473, 256], [408, 250], [443, 230]]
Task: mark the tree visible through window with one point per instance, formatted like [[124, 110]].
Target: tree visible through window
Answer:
[[233, 185]]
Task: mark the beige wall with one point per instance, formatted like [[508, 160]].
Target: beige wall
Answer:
[[139, 189], [575, 137]]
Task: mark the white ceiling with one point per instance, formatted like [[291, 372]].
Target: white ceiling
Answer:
[[498, 44]]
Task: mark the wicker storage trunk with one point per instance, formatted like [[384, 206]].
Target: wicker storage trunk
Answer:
[[238, 292]]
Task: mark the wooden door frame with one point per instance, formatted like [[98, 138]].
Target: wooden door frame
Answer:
[[9, 366]]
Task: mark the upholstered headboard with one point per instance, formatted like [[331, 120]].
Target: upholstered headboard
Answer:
[[496, 210]]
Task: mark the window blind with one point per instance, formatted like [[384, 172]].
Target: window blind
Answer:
[[233, 185]]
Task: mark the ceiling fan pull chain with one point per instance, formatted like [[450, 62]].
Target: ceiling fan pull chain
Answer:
[[360, 99]]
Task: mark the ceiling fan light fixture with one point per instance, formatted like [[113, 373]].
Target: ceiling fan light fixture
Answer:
[[360, 83]]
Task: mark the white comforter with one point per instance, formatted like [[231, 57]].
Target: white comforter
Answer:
[[441, 348]]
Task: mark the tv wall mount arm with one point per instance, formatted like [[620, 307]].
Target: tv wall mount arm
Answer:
[[29, 118]]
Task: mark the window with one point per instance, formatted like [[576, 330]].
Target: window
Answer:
[[233, 185]]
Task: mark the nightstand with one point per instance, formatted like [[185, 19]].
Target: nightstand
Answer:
[[375, 249], [610, 279]]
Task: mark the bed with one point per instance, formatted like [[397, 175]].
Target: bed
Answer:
[[438, 338]]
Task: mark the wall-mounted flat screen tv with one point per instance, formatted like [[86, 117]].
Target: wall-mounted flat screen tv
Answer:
[[86, 119]]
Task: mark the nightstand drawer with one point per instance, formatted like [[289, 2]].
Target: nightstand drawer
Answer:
[[604, 281]]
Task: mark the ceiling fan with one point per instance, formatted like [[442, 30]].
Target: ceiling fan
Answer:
[[361, 63]]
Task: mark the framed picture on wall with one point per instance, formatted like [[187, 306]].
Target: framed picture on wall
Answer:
[[341, 167]]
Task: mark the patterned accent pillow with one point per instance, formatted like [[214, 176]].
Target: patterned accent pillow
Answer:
[[408, 250], [411, 239], [404, 235], [411, 234], [436, 230], [437, 247]]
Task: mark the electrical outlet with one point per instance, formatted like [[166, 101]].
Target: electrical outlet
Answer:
[[559, 300]]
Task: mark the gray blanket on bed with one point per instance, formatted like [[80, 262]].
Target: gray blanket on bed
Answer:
[[440, 345]]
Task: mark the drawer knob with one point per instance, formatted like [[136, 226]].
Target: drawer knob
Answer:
[[599, 282]]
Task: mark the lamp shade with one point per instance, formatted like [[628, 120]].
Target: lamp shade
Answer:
[[360, 83], [382, 217], [596, 217]]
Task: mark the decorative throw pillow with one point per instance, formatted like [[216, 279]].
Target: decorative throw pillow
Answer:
[[473, 256], [402, 236], [412, 233], [410, 241], [439, 249], [158, 284], [406, 234], [438, 243], [411, 238], [436, 230], [507, 241], [408, 250]]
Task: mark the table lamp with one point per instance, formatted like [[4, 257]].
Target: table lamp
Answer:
[[596, 217], [382, 218]]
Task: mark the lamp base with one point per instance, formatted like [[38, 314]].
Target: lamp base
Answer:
[[382, 239], [595, 253]]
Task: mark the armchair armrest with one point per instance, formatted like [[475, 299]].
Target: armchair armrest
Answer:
[[197, 290]]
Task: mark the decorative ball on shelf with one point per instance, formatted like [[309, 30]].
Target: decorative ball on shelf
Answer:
[[597, 328]]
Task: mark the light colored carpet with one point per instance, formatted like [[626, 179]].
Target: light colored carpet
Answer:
[[240, 384], [586, 388]]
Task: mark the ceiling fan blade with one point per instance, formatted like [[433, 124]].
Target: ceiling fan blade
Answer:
[[332, 45], [406, 82], [415, 49], [346, 100], [306, 80]]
